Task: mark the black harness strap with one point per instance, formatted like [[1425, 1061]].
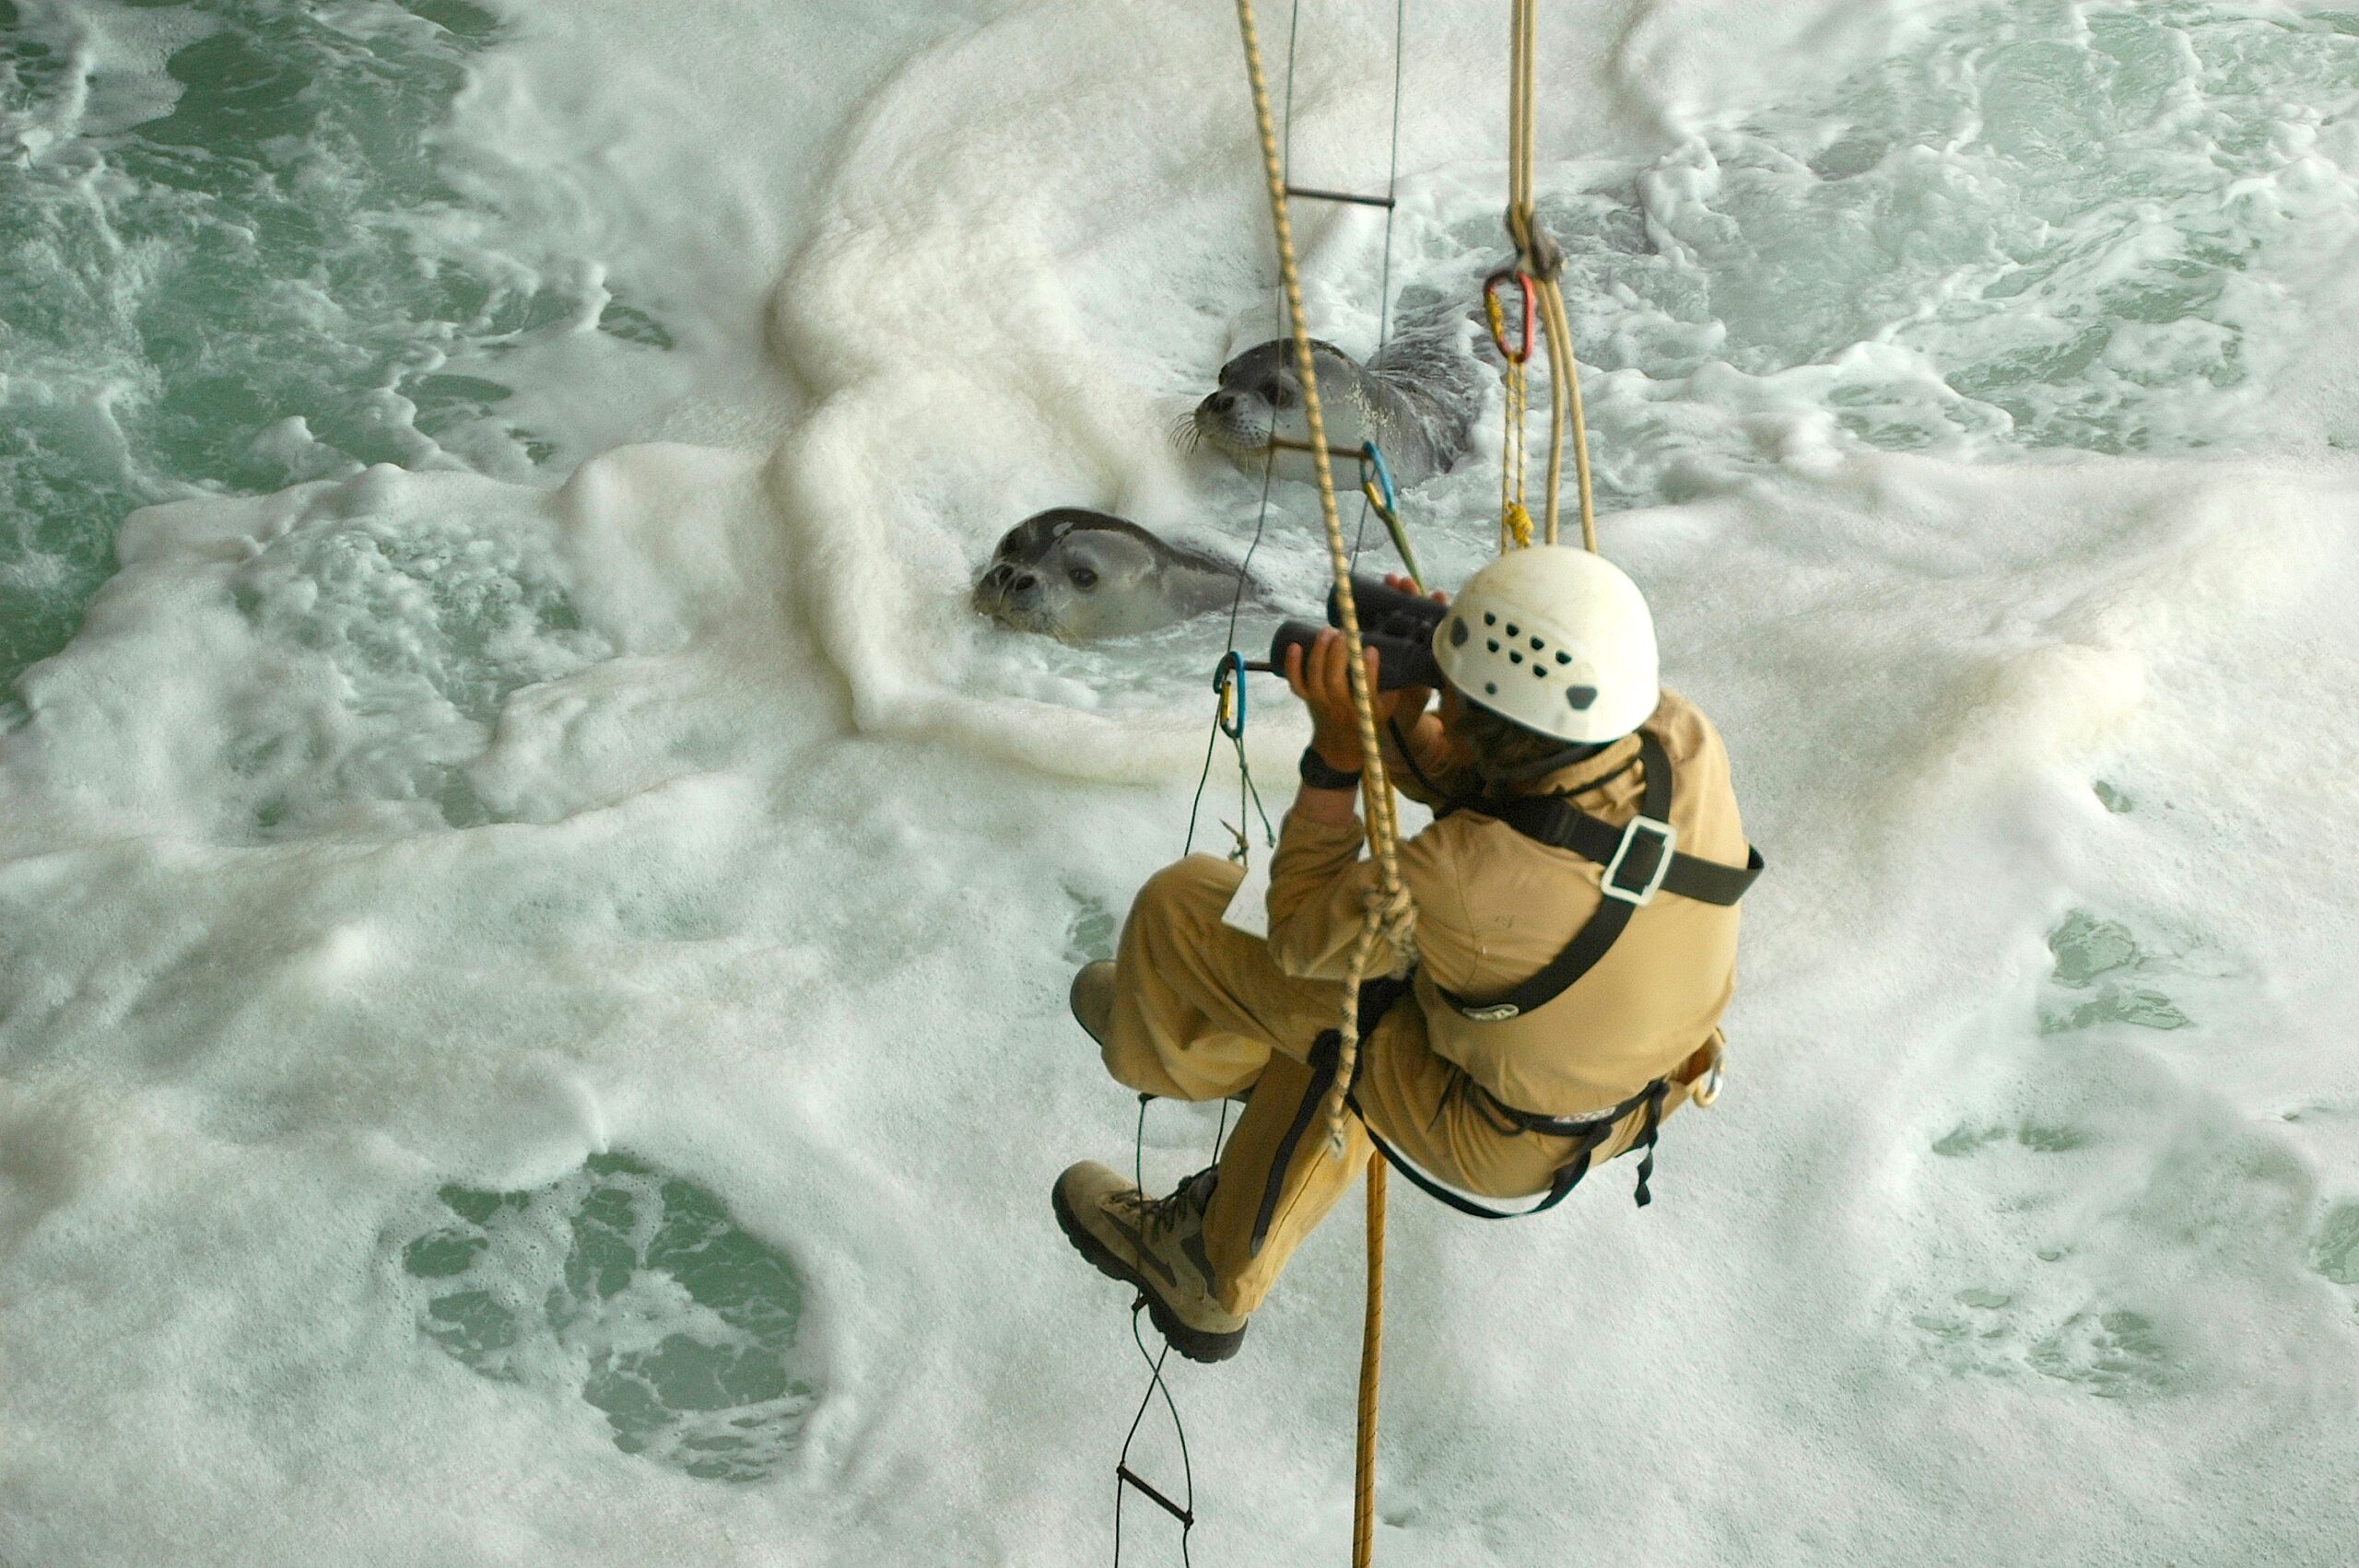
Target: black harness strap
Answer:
[[1592, 1136], [1656, 1092], [1554, 820], [1377, 998], [1633, 858], [1640, 862]]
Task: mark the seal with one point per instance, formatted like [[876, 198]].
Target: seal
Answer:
[[1080, 575], [1418, 400]]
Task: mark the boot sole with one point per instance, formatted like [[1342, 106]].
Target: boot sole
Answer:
[[1195, 1344]]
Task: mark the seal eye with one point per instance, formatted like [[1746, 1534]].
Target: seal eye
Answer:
[[1082, 578], [1281, 396]]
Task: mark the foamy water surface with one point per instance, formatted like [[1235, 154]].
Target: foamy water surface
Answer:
[[533, 919]]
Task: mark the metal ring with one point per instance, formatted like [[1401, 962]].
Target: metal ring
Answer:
[[1707, 1089], [1228, 681]]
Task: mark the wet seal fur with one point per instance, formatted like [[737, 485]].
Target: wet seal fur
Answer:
[[1418, 400], [1080, 575]]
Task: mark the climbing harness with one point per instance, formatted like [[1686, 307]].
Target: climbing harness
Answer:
[[1640, 862]]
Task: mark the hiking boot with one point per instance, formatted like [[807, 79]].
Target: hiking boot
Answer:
[[1093, 998], [1156, 1245]]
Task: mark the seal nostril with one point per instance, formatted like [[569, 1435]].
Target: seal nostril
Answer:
[[1021, 582], [1223, 402]]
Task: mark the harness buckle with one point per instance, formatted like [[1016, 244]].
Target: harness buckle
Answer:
[[1665, 836]]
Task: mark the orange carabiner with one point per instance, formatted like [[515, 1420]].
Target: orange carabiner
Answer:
[[1516, 353]]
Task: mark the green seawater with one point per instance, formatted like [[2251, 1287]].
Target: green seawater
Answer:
[[264, 283], [2028, 226], [2100, 957], [636, 1290]]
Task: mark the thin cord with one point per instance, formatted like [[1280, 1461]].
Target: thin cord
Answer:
[[1237, 602], [1154, 1361], [1262, 519], [1154, 1372], [1391, 193]]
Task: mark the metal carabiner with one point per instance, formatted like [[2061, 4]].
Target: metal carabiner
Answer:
[[1704, 1090], [1376, 483], [1377, 486], [1229, 682], [1498, 312]]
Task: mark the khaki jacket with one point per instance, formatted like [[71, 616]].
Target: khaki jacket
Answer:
[[1495, 907]]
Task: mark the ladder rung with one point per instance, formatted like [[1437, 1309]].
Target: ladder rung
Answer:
[[1318, 196], [1130, 1477]]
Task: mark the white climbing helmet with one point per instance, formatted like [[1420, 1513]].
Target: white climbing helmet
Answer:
[[1556, 639]]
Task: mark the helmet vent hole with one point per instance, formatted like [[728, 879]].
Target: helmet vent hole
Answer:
[[1537, 645], [1458, 632], [1515, 655], [1539, 669], [1490, 688], [1489, 619], [1514, 630], [1563, 657], [1493, 644], [1580, 698]]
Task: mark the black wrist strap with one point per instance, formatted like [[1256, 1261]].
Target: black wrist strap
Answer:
[[1320, 776]]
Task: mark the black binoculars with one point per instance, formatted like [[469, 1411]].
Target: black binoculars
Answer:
[[1398, 625]]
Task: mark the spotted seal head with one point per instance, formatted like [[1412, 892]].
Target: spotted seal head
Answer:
[[1080, 575], [1418, 400]]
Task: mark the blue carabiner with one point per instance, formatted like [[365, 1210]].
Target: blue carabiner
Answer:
[[1371, 457], [1228, 681]]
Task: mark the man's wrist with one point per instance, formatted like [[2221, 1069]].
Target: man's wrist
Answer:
[[1319, 773], [1339, 749]]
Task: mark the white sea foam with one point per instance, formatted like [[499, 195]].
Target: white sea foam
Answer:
[[383, 849]]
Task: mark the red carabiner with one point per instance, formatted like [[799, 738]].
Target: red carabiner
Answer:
[[1497, 312]]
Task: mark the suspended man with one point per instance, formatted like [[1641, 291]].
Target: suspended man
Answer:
[[1576, 946]]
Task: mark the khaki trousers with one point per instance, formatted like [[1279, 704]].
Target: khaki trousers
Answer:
[[1201, 1010]]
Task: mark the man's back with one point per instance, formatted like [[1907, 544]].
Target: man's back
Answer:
[[1495, 907]]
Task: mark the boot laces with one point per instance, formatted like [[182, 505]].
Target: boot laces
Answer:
[[1160, 1216]]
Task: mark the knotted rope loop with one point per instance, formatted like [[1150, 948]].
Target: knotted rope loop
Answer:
[[1537, 252], [1388, 933], [1375, 788], [1538, 255]]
